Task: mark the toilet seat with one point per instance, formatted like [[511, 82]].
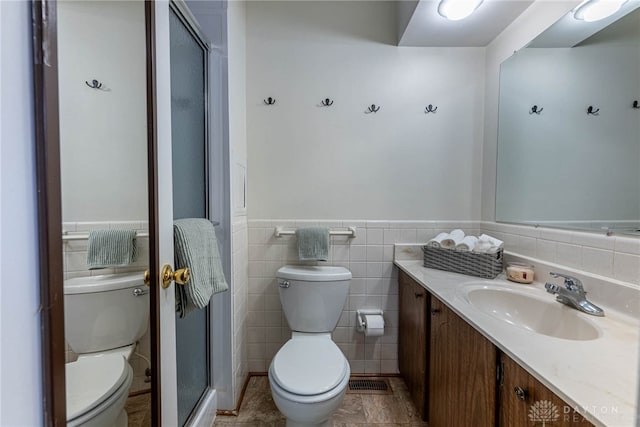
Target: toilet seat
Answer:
[[309, 365], [95, 383]]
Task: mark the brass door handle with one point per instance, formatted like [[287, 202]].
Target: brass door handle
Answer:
[[147, 278], [180, 276]]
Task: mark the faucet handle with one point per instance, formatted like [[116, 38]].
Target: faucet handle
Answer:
[[571, 283]]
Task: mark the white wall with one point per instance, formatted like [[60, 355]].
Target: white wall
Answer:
[[308, 162], [20, 353], [103, 134]]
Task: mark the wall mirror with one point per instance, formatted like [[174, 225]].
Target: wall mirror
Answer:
[[569, 127], [92, 92]]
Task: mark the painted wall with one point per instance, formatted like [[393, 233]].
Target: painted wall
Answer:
[[20, 350], [103, 133], [237, 134], [307, 161]]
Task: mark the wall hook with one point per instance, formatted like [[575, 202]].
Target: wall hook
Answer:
[[535, 110], [591, 111], [636, 105], [326, 102], [372, 109], [269, 101], [94, 84], [430, 109]]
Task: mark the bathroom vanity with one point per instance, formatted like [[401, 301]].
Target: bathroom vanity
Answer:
[[466, 366]]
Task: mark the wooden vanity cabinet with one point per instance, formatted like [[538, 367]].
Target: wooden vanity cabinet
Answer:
[[457, 377], [524, 401], [462, 372], [413, 335]]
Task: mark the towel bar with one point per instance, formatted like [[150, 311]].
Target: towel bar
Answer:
[[85, 236], [351, 232]]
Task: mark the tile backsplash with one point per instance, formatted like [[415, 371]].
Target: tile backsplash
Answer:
[[75, 265], [369, 256]]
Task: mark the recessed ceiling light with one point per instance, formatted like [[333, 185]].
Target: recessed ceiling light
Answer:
[[595, 10], [456, 10]]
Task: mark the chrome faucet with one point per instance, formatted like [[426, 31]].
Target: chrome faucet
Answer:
[[573, 294]]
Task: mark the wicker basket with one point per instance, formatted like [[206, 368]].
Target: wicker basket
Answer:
[[483, 265]]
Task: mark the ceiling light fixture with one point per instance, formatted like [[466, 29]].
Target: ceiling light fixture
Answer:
[[595, 10], [456, 10]]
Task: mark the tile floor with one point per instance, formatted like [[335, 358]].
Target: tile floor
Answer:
[[139, 410], [358, 409]]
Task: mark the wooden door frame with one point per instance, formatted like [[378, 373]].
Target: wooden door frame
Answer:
[[47, 152]]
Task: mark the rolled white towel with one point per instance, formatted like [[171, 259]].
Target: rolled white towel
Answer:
[[482, 247], [453, 239], [436, 242], [467, 244], [494, 242]]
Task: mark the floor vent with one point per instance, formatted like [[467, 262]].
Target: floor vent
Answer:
[[369, 386]]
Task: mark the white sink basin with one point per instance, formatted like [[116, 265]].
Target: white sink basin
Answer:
[[541, 314]]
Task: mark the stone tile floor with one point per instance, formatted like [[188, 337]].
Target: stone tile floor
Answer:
[[358, 409], [139, 410]]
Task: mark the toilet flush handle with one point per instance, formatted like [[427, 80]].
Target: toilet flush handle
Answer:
[[284, 284]]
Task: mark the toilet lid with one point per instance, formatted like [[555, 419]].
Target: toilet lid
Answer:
[[309, 366], [91, 381]]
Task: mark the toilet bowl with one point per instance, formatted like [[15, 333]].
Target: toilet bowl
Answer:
[[97, 389], [308, 378], [104, 318], [309, 374]]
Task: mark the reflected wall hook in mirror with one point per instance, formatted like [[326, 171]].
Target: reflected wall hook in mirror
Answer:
[[535, 110], [95, 85], [326, 102], [372, 109], [269, 101], [430, 109], [592, 111], [636, 105]]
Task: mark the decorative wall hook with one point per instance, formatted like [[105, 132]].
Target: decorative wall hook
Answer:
[[591, 110], [430, 109], [636, 105], [535, 110], [372, 109], [94, 84], [326, 102], [269, 101]]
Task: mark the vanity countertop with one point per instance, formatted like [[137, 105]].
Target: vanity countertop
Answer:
[[597, 377]]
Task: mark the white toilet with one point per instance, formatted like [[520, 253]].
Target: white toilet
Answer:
[[104, 318], [309, 374]]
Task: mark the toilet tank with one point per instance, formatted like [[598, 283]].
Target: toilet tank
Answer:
[[102, 312], [313, 297]]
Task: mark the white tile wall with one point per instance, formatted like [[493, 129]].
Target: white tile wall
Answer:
[[240, 296], [75, 265], [369, 257], [615, 256]]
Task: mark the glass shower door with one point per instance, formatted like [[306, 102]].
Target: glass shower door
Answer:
[[189, 154]]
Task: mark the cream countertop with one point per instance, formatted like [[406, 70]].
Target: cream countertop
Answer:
[[598, 377]]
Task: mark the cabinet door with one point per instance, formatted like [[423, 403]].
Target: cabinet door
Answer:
[[412, 340], [525, 401], [462, 372]]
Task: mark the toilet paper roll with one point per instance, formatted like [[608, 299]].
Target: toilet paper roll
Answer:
[[373, 325]]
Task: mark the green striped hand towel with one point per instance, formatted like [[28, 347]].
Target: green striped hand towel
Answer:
[[111, 248]]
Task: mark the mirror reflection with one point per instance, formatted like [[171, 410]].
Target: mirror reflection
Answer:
[[569, 135], [103, 143]]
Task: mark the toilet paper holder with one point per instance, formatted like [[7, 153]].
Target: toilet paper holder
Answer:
[[360, 323]]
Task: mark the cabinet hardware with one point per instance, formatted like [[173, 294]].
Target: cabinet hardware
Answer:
[[435, 311], [418, 295], [520, 393]]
